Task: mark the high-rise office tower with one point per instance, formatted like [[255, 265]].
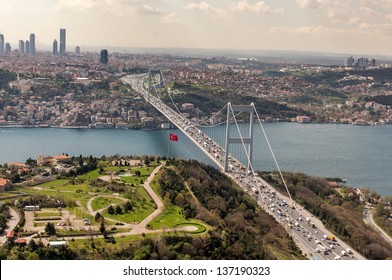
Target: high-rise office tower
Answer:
[[21, 46], [32, 43], [27, 46], [7, 47], [104, 57], [63, 45], [2, 43], [55, 47], [77, 50]]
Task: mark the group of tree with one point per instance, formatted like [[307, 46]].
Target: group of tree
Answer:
[[341, 211], [5, 215], [383, 214], [36, 250]]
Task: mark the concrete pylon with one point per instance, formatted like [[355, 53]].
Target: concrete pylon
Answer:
[[232, 109]]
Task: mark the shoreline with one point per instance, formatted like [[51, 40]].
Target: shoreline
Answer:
[[87, 127]]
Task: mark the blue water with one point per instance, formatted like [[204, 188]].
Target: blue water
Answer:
[[360, 154]]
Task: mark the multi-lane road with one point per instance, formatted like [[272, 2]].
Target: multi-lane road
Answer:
[[307, 231]]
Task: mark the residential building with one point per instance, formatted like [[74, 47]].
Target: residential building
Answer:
[[4, 184], [21, 46], [27, 46], [188, 106], [32, 43], [349, 62], [63, 45], [7, 47], [2, 43], [44, 159], [104, 57], [55, 47], [303, 119]]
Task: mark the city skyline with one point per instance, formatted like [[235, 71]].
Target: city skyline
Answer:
[[300, 25]]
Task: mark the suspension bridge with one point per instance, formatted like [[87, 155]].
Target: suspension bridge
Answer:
[[232, 152]]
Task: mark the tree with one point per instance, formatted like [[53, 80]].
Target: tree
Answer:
[[118, 210], [50, 229], [110, 210], [147, 161], [127, 206], [138, 173], [97, 216], [32, 245], [102, 228], [31, 161]]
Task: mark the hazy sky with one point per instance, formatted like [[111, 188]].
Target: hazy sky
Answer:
[[348, 26]]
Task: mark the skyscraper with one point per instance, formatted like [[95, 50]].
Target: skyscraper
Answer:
[[32, 43], [7, 47], [104, 57], [77, 50], [27, 46], [2, 43], [55, 47], [21, 46], [63, 45]]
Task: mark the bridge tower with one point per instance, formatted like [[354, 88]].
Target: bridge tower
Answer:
[[151, 85], [245, 140]]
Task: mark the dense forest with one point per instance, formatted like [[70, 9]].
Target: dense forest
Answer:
[[340, 209]]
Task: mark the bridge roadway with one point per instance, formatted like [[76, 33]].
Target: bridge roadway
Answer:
[[307, 231]]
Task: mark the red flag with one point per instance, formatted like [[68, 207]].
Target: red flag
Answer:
[[173, 137]]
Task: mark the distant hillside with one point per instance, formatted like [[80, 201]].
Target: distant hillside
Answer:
[[211, 100], [381, 99]]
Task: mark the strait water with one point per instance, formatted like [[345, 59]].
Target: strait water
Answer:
[[360, 154]]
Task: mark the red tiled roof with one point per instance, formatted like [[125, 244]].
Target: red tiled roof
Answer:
[[3, 182], [61, 157]]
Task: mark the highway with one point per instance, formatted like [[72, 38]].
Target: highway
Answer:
[[307, 231]]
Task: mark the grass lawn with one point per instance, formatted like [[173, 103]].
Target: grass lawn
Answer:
[[84, 199], [71, 187], [102, 202], [171, 217], [141, 210], [47, 214], [54, 184], [91, 175], [66, 196]]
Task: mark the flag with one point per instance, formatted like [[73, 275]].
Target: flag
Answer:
[[173, 137]]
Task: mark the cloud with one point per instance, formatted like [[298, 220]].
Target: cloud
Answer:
[[113, 7], [258, 7], [170, 18], [309, 4], [307, 30], [364, 30], [207, 8], [369, 12]]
